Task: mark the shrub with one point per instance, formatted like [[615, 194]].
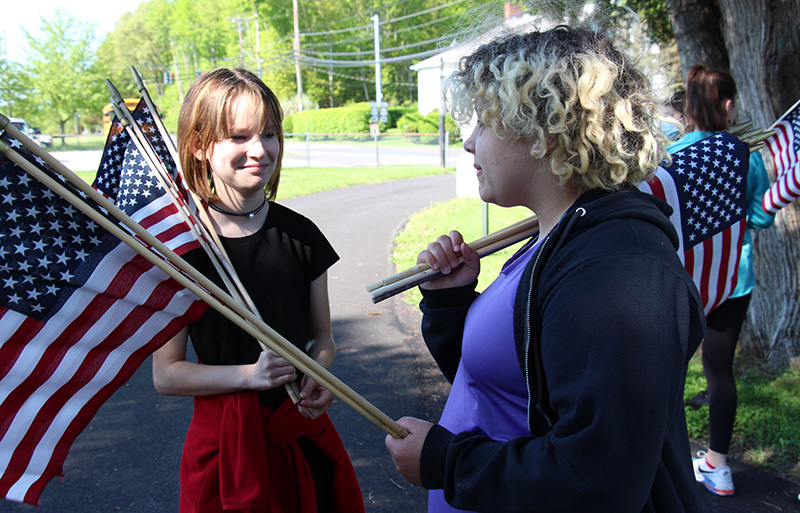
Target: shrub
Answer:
[[416, 123], [341, 120]]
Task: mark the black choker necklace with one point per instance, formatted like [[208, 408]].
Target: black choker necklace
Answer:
[[250, 214]]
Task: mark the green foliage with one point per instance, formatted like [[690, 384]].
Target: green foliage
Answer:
[[415, 123], [656, 16], [61, 68], [14, 87], [138, 41], [351, 119]]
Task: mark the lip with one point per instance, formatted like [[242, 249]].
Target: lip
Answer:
[[256, 166]]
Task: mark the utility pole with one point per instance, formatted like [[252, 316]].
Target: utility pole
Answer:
[[442, 142], [258, 45], [378, 92], [297, 55], [238, 20], [378, 113]]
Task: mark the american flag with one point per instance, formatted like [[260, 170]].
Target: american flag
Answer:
[[784, 147], [79, 310], [706, 185]]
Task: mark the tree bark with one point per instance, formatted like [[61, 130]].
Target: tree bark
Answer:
[[698, 33], [763, 44]]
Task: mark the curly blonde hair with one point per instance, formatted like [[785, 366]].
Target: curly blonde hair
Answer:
[[571, 90], [205, 120]]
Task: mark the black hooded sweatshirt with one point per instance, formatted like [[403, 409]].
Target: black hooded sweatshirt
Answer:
[[605, 321]]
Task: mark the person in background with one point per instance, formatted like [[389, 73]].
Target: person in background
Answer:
[[711, 107], [675, 108], [568, 371], [248, 447]]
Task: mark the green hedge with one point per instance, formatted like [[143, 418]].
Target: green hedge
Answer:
[[416, 123], [355, 118]]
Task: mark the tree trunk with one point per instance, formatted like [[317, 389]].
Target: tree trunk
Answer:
[[698, 33], [763, 45]]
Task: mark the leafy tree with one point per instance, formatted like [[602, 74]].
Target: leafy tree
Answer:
[[13, 89], [136, 41], [60, 63]]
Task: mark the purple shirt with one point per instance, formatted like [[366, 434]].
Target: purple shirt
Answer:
[[489, 395]]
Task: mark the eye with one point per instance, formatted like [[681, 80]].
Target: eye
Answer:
[[268, 135]]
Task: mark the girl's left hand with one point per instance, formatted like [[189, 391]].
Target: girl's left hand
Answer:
[[314, 398], [406, 452]]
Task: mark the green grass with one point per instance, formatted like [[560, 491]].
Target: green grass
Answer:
[[464, 215], [767, 428], [87, 176], [78, 142]]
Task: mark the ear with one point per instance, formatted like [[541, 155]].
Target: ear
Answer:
[[727, 104], [730, 110], [198, 152]]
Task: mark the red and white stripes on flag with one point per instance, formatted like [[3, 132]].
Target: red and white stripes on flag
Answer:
[[784, 147], [706, 188], [56, 375], [80, 312]]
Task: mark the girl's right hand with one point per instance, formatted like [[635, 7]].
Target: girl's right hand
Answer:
[[443, 255], [270, 371]]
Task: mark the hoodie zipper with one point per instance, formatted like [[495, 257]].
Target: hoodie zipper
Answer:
[[528, 331], [578, 213]]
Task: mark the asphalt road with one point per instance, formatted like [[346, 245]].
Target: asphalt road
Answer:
[[127, 459]]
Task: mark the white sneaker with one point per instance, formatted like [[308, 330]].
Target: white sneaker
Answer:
[[718, 481], [701, 457]]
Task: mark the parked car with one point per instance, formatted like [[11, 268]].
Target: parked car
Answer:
[[35, 134], [43, 140]]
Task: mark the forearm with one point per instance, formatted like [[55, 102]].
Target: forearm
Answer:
[[443, 318], [174, 375], [193, 379]]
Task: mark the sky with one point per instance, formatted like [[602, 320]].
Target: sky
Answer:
[[17, 15]]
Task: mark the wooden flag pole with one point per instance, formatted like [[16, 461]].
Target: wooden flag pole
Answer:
[[484, 246], [206, 290]]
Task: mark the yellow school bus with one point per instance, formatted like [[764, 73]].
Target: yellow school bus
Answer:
[[108, 112]]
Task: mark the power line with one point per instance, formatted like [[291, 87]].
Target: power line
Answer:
[[307, 59]]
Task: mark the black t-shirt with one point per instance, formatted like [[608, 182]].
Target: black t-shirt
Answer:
[[276, 265]]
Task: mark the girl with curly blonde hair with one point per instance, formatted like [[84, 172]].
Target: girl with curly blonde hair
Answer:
[[567, 372]]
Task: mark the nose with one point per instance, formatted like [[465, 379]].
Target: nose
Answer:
[[469, 143], [257, 147]]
